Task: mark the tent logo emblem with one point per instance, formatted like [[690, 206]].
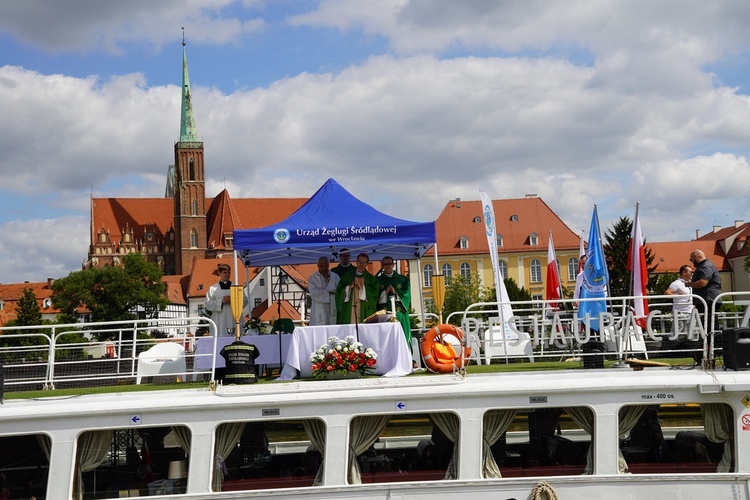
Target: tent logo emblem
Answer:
[[281, 235]]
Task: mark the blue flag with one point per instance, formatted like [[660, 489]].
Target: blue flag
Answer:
[[595, 277]]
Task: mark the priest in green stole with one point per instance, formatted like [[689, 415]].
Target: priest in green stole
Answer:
[[356, 293], [395, 285]]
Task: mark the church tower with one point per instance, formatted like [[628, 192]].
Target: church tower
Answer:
[[189, 185]]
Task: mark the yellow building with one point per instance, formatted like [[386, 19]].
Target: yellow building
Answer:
[[523, 227]]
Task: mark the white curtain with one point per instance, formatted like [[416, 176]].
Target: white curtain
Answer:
[[45, 444], [182, 434], [364, 432], [449, 424], [718, 424], [316, 432], [629, 416], [496, 422], [227, 437], [92, 451], [584, 417]]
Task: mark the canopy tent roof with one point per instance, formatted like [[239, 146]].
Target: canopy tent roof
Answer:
[[330, 220]]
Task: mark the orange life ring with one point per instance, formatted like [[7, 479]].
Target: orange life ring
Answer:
[[439, 356]]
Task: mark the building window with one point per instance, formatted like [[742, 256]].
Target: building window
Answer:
[[465, 270], [191, 169], [427, 275], [503, 268], [193, 238], [258, 302], [499, 240], [228, 240], [572, 269], [463, 243], [194, 207], [533, 239], [447, 271], [262, 282], [536, 271]]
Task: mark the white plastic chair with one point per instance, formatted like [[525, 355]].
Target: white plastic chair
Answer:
[[165, 358], [518, 345]]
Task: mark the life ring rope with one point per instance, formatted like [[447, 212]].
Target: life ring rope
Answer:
[[440, 356]]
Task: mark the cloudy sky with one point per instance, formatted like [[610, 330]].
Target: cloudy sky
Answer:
[[407, 103]]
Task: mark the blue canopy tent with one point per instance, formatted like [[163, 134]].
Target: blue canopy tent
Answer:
[[330, 220]]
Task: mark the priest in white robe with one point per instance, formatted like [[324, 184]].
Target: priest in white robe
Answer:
[[322, 287]]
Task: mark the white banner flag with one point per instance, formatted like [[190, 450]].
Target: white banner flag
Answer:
[[503, 301]]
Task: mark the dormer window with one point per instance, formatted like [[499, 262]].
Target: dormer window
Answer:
[[463, 243], [513, 218], [533, 239], [228, 240], [477, 219], [499, 240]]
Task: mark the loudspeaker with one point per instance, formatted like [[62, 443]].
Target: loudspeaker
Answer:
[[594, 354], [736, 348]]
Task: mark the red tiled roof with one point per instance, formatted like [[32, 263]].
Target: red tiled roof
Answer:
[[177, 288], [222, 213], [670, 256], [515, 220], [270, 314]]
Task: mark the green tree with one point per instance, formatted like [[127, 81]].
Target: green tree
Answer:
[[616, 250], [460, 293], [663, 281], [112, 293], [27, 310]]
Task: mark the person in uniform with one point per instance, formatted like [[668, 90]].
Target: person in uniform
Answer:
[[356, 293], [395, 285]]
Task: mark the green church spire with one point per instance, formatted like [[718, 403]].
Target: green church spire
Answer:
[[187, 120]]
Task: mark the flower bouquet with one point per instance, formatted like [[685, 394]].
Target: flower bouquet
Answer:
[[342, 357]]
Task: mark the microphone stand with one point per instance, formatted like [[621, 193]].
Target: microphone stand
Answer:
[[356, 315]]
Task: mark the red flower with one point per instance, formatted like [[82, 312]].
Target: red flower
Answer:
[[370, 362], [329, 368], [352, 368]]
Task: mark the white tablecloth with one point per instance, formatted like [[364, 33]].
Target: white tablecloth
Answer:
[[386, 339], [268, 345]]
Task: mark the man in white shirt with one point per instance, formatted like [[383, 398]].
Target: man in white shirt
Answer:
[[322, 287], [683, 295]]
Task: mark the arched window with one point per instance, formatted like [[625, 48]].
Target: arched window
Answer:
[[427, 274], [465, 270], [193, 238], [194, 207], [502, 266], [536, 271], [191, 168], [447, 271], [572, 268]]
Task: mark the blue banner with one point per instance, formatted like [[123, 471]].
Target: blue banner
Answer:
[[595, 277]]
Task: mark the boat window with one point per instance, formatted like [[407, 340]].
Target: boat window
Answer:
[[675, 438], [540, 442], [268, 454], [24, 471], [403, 447], [129, 462]]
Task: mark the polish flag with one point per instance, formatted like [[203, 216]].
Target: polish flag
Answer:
[[637, 266], [553, 278]]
